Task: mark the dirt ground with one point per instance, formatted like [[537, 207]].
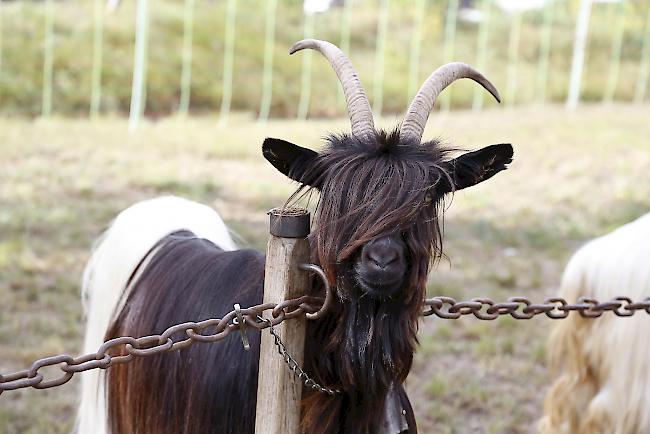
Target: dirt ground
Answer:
[[575, 175]]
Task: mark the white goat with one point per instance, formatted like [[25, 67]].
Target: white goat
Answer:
[[603, 365]]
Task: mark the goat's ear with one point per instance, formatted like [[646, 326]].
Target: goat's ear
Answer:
[[477, 166], [294, 161]]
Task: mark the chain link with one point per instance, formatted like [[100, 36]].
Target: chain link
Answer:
[[124, 349], [294, 366], [523, 308]]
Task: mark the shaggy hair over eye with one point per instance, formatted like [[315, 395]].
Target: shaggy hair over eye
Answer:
[[368, 189]]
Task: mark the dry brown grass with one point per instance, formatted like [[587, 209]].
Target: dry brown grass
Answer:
[[575, 175]]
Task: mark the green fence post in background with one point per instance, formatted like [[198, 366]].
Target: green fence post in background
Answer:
[[305, 81], [98, 46], [644, 68], [186, 71], [228, 59], [513, 57], [48, 59], [416, 44], [139, 83], [482, 48], [448, 48], [544, 52], [378, 82], [579, 48], [615, 58], [345, 40], [269, 47]]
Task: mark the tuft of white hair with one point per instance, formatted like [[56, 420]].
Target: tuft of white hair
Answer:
[[115, 258], [602, 366]]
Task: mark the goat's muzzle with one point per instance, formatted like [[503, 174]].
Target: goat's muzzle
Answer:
[[381, 266]]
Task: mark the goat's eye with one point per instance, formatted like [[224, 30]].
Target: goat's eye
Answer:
[[428, 199]]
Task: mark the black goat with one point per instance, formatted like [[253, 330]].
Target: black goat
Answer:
[[168, 260]]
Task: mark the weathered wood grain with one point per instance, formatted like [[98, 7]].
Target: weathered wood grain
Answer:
[[278, 391]]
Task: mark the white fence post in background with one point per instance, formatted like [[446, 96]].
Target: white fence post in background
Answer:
[[448, 48], [98, 47], [378, 82], [345, 39], [139, 84], [482, 48], [615, 58], [416, 44], [644, 68], [305, 82], [1, 38], [228, 60], [544, 51], [513, 57], [186, 71], [48, 59], [579, 47], [269, 48]]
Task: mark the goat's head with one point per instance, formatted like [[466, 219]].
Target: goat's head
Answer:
[[377, 232], [381, 193]]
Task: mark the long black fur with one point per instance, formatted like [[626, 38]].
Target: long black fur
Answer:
[[206, 388], [367, 189]]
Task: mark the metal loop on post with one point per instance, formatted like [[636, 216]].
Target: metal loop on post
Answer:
[[329, 296]]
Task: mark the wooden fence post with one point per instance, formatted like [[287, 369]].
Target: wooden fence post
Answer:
[[278, 390]]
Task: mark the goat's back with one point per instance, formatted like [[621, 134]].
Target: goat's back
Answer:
[[603, 365], [121, 257], [206, 388]]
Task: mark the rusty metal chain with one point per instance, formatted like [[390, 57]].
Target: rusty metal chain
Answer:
[[124, 349], [522, 308], [294, 366]]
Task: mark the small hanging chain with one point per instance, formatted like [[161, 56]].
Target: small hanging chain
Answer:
[[293, 364]]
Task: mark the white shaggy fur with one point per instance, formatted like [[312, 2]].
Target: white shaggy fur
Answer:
[[117, 254], [603, 365]]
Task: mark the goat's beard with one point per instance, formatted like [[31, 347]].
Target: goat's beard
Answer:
[[377, 341], [364, 347]]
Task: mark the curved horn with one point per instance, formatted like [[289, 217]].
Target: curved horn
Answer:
[[418, 112], [358, 106]]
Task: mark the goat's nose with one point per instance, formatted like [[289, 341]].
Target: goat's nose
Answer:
[[381, 255]]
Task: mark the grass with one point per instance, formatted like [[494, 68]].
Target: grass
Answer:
[[21, 73], [575, 175]]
